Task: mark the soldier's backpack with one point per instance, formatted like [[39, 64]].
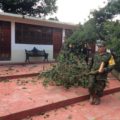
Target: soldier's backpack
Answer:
[[115, 60]]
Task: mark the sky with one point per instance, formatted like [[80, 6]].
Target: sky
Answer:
[[77, 11]]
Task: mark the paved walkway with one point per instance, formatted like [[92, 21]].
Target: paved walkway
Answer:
[[26, 96]]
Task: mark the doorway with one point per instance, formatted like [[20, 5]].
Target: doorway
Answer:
[[5, 40], [57, 43]]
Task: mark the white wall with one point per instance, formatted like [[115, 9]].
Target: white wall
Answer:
[[18, 52]]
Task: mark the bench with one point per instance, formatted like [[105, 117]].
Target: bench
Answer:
[[35, 53]]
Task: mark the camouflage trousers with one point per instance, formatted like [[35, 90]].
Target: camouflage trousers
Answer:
[[96, 86]]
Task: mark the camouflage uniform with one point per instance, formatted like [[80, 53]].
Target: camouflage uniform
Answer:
[[98, 81]]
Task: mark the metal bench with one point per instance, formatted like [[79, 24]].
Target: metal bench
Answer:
[[35, 53]]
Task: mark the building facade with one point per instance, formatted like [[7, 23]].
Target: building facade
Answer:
[[18, 33]]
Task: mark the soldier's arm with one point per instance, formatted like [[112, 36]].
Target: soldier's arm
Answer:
[[101, 68]]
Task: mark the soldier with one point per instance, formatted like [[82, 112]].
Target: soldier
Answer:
[[102, 64]]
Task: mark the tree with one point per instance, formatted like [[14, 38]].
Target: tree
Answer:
[[85, 33], [29, 7], [113, 35], [104, 14], [113, 7]]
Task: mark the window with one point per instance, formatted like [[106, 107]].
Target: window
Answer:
[[32, 34]]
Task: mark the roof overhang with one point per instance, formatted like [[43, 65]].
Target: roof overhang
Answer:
[[36, 21]]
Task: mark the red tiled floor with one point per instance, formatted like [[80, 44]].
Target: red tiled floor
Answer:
[[67, 113], [109, 109], [6, 70], [26, 93], [114, 115], [75, 112], [23, 94]]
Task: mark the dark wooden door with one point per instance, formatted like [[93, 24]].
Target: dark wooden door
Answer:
[[57, 43], [5, 40]]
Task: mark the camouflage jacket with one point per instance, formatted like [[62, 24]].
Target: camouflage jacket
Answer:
[[97, 60]]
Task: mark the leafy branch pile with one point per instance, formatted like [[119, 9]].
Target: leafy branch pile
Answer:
[[69, 71]]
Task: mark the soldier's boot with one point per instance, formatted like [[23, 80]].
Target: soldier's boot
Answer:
[[97, 100], [92, 100]]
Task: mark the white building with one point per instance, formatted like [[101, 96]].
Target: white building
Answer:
[[18, 33]]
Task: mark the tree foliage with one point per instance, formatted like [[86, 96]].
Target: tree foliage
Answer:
[[85, 33], [29, 7], [113, 7], [113, 36], [104, 14]]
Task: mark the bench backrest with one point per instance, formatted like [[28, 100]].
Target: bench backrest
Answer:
[[35, 52]]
